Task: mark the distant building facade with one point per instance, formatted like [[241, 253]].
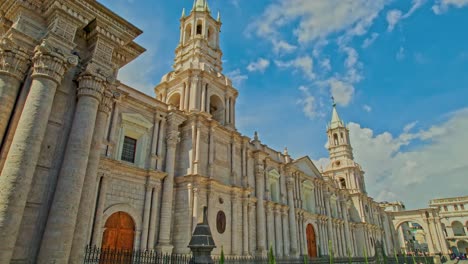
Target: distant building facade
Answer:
[[454, 216], [87, 160]]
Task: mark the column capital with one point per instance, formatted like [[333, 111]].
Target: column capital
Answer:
[[173, 138], [14, 61], [51, 62], [107, 101]]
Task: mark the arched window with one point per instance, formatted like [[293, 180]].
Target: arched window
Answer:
[[217, 108], [342, 138], [174, 100], [199, 27], [458, 229], [188, 33], [342, 183], [335, 139]]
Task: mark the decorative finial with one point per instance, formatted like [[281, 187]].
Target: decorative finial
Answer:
[[219, 17], [333, 101], [183, 12], [256, 135], [286, 151]]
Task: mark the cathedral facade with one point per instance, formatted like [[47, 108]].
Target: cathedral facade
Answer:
[[87, 160]]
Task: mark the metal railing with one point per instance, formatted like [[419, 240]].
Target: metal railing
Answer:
[[95, 255]]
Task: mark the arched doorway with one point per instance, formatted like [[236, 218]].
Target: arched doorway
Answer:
[[311, 241], [119, 232], [413, 238], [462, 246]]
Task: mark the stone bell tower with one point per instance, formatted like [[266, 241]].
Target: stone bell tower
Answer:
[[196, 83], [342, 167]]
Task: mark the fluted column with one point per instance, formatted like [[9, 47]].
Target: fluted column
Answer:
[[13, 66], [195, 192], [17, 174], [245, 227], [285, 227], [260, 188], [160, 145], [329, 221], [146, 217], [154, 216], [235, 250], [292, 217], [63, 214], [82, 230], [164, 242], [278, 232], [97, 227], [270, 221]]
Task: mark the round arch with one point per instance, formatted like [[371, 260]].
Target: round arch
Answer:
[[462, 246], [217, 108], [458, 228], [119, 232], [311, 239], [188, 33], [414, 241], [174, 100]]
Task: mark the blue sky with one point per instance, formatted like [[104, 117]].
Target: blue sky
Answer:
[[397, 69]]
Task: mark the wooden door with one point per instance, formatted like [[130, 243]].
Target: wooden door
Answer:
[[119, 234], [311, 241]]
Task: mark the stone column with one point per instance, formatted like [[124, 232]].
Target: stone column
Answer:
[[235, 250], [146, 216], [270, 222], [195, 193], [260, 188], [329, 221], [292, 217], [20, 163], [154, 143], [278, 232], [97, 227], [63, 213], [285, 227], [160, 153], [154, 216], [14, 64], [252, 228], [82, 230], [245, 227], [165, 243]]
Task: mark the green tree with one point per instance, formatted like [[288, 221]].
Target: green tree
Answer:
[[271, 257], [221, 259]]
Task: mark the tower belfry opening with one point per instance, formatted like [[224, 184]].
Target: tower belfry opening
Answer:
[[197, 75]]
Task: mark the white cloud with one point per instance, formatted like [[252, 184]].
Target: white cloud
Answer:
[[367, 108], [260, 65], [138, 73], [410, 126], [304, 64], [341, 91], [441, 6], [237, 77], [308, 103], [370, 40], [281, 46], [393, 17], [435, 168], [325, 64], [318, 19], [401, 54]]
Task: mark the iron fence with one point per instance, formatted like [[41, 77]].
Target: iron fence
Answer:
[[96, 255]]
